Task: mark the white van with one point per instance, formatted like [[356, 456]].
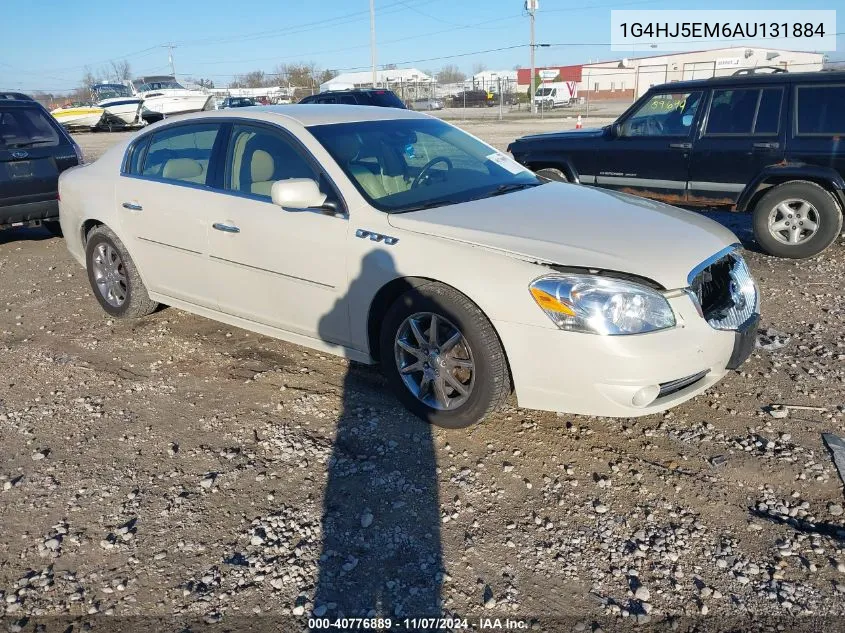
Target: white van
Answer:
[[556, 94]]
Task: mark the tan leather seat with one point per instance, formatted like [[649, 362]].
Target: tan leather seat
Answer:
[[348, 147], [185, 169], [261, 170]]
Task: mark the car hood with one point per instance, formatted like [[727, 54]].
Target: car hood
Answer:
[[573, 225], [592, 132]]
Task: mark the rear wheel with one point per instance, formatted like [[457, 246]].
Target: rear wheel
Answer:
[[114, 277], [796, 219], [442, 357], [553, 174]]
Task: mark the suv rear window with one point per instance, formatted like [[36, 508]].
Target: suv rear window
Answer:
[[386, 99], [26, 127], [820, 110], [745, 111]]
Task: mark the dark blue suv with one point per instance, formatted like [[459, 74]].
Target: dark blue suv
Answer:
[[770, 144]]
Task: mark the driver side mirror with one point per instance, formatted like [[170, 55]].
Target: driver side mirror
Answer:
[[614, 130], [299, 194]]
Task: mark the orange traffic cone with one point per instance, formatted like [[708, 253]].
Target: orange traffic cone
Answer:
[[578, 123]]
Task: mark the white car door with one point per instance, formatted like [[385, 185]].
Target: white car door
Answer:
[[285, 269], [163, 204]]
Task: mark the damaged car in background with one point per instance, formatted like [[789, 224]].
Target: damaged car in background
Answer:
[[388, 236]]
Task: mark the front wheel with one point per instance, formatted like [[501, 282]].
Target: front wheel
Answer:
[[796, 219], [553, 174], [442, 357]]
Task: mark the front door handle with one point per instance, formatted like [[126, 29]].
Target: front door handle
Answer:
[[132, 206], [773, 145], [680, 145], [226, 228]]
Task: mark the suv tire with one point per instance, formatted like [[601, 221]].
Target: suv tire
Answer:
[[553, 174], [776, 213], [114, 277], [476, 361]]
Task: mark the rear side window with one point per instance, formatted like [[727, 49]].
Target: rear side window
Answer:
[[181, 153], [820, 110], [732, 111], [768, 112], [348, 99], [26, 127], [386, 99]]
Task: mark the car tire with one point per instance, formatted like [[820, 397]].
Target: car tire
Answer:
[[776, 212], [553, 174], [486, 384], [53, 227], [114, 277]]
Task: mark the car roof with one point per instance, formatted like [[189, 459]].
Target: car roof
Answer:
[[335, 92], [766, 78], [309, 114]]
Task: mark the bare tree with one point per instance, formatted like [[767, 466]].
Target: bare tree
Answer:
[[450, 74], [478, 67], [120, 71]]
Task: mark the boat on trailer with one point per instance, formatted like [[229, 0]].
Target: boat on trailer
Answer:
[[120, 105]]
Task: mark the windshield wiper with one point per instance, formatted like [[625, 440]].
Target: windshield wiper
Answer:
[[508, 188], [426, 205], [29, 143]]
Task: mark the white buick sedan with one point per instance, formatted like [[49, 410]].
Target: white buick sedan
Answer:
[[389, 236]]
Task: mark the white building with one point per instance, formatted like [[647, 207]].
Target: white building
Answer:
[[391, 79], [631, 78]]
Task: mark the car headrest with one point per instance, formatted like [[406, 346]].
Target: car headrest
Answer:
[[347, 147], [262, 166], [181, 169]]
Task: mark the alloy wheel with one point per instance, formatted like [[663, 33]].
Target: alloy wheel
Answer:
[[110, 274], [793, 221], [434, 361]]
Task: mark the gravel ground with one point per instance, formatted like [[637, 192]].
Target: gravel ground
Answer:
[[176, 467]]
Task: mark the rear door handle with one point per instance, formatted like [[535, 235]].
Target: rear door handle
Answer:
[[226, 228], [680, 145], [132, 206], [766, 145]]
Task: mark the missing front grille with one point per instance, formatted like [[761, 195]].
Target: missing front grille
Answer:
[[713, 289]]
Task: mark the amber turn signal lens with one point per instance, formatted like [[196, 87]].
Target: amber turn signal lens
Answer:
[[548, 302]]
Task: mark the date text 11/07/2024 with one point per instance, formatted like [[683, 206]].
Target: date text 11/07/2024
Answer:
[[418, 624], [722, 30]]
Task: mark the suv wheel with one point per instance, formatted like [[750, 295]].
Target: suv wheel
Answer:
[[114, 277], [442, 357], [796, 219], [553, 174]]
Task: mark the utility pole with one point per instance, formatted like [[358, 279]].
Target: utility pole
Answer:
[[531, 8], [373, 38], [170, 48]]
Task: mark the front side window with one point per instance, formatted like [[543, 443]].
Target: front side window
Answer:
[[181, 153], [258, 157], [664, 114], [820, 110], [406, 164]]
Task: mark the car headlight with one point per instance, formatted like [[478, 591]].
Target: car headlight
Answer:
[[601, 305]]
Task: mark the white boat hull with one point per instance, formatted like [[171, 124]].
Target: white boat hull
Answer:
[[79, 117], [125, 110], [169, 104]]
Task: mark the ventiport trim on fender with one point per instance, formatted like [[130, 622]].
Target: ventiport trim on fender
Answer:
[[376, 237]]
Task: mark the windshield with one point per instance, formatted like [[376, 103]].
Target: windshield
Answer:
[[165, 84], [111, 91], [408, 164]]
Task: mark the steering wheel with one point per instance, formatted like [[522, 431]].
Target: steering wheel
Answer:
[[427, 168]]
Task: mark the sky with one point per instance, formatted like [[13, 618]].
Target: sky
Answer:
[[47, 44]]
